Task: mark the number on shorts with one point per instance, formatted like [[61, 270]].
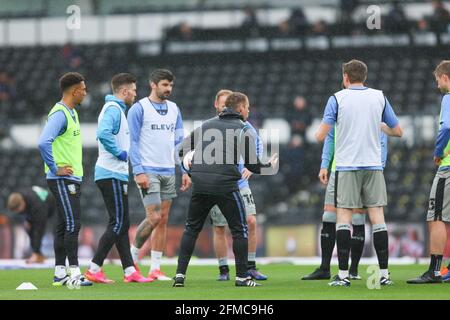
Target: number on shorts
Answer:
[[249, 199]]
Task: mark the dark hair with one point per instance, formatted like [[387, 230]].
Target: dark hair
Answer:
[[235, 100], [70, 79], [121, 79], [161, 74], [443, 68], [356, 71]]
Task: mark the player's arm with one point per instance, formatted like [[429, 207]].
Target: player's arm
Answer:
[[391, 121], [179, 135], [388, 131], [135, 119], [108, 127], [246, 174], [329, 119], [55, 126], [247, 150], [444, 130], [327, 156], [384, 149]]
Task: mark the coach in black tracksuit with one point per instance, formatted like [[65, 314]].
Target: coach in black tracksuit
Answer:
[[219, 144]]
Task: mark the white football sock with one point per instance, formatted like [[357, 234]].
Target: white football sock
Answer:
[[384, 273], [74, 271], [156, 260], [134, 253], [94, 268], [60, 271], [343, 274], [223, 261], [129, 271]]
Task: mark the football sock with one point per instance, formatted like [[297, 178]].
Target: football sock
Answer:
[[156, 257], [327, 241], [60, 271], [381, 243], [129, 271], [435, 264], [251, 260], [134, 253], [223, 261], [74, 271], [94, 268], [343, 239], [357, 247]]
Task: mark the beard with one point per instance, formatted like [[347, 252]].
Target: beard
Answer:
[[163, 95]]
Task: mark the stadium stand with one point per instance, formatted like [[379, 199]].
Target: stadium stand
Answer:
[[271, 79]]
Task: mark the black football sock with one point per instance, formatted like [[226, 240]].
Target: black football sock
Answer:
[[435, 264], [343, 241], [357, 247], [327, 241]]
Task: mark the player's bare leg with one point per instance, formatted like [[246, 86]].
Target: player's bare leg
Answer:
[[145, 229], [438, 241], [158, 240]]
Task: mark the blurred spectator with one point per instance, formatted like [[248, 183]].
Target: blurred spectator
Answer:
[[319, 28], [284, 29], [250, 23], [182, 32], [7, 87], [422, 26], [301, 117], [441, 17], [71, 56], [344, 19], [395, 21], [298, 22], [347, 9], [292, 163], [185, 31]]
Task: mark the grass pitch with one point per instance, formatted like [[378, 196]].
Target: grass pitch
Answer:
[[284, 284]]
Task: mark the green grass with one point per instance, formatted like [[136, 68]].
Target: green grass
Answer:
[[284, 283]]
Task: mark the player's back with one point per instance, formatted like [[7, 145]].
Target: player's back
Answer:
[[359, 113]]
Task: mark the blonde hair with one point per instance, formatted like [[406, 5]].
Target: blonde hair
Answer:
[[14, 202], [443, 68], [223, 92]]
